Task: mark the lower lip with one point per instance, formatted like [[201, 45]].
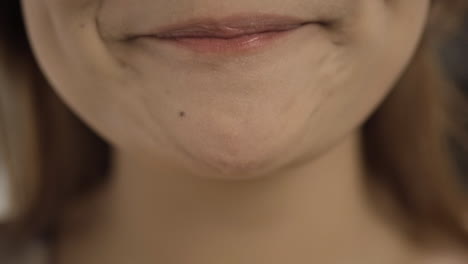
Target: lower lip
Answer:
[[243, 43]]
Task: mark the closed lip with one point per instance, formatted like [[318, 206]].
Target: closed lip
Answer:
[[229, 27]]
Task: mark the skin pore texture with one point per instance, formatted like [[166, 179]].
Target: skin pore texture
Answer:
[[265, 163]]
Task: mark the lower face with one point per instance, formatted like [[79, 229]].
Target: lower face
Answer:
[[223, 113]]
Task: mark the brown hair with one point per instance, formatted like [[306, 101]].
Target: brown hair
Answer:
[[52, 157]]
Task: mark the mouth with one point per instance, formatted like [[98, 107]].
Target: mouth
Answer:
[[235, 33]]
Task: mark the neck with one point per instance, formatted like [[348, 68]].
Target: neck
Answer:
[[317, 212]]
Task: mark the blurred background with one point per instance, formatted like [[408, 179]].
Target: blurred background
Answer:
[[455, 56]]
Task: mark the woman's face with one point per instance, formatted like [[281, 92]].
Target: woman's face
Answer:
[[231, 113]]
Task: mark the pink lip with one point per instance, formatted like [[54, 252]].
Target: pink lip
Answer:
[[233, 33]]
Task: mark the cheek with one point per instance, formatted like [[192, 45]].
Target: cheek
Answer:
[[382, 42], [67, 46]]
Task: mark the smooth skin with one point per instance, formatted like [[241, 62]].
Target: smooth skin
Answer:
[[265, 163]]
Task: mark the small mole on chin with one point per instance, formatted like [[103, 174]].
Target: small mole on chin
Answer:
[[182, 114]]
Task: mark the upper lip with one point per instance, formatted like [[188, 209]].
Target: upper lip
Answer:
[[229, 27]]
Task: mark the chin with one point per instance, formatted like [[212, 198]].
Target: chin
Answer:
[[235, 156]]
